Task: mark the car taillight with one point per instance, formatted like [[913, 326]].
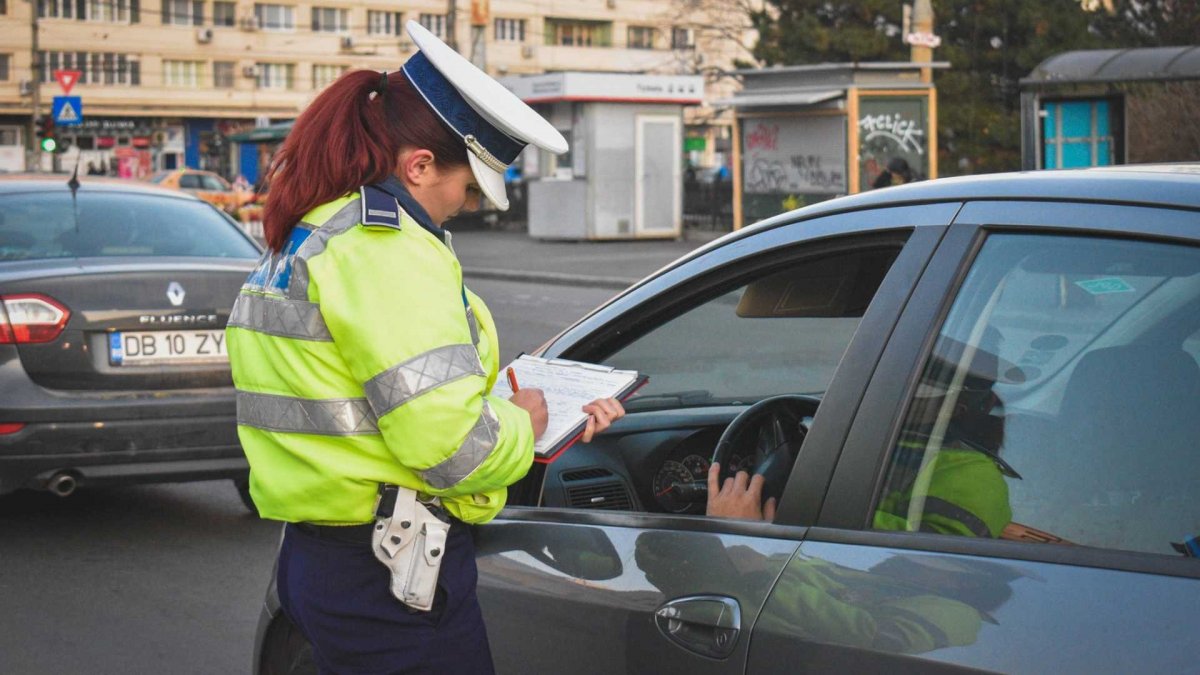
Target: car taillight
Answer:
[[31, 318]]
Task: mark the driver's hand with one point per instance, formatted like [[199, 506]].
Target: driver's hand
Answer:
[[739, 497], [601, 414]]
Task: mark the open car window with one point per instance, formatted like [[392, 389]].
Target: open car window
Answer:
[[783, 330]]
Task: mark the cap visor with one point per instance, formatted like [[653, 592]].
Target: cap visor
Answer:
[[491, 182]]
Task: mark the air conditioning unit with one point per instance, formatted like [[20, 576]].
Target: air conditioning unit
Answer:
[[204, 35], [405, 44], [612, 4], [25, 88], [528, 52], [347, 43], [250, 71], [248, 23]]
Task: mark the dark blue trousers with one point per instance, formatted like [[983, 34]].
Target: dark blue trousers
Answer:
[[337, 593]]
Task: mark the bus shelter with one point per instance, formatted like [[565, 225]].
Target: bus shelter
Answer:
[[804, 134]]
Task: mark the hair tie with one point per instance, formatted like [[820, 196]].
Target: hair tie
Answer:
[[383, 84]]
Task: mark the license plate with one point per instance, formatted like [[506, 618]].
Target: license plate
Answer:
[[151, 348]]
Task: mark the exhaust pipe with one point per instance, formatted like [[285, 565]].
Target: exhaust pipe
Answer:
[[62, 484]]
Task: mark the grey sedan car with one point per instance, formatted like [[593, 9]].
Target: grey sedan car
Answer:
[[977, 402]]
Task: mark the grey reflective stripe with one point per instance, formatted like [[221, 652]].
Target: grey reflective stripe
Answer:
[[328, 417], [273, 315], [945, 509], [346, 218], [473, 325], [478, 445], [396, 385]]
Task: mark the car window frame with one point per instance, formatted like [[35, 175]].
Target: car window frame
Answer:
[[600, 331], [847, 513]]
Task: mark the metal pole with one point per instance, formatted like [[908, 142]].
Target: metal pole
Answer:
[[451, 20], [36, 84]]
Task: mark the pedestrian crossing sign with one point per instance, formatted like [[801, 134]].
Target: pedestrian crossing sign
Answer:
[[67, 111]]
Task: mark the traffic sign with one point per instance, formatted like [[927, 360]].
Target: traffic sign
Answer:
[[67, 111], [67, 79]]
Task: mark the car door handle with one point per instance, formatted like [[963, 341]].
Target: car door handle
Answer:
[[705, 624]]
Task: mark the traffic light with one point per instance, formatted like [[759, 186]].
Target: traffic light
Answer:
[[46, 134]]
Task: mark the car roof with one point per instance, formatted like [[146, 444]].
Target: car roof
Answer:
[[18, 183], [1170, 185]]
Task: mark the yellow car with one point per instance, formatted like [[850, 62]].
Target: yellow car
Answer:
[[207, 186]]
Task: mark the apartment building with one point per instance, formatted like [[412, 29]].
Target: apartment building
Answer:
[[167, 83]]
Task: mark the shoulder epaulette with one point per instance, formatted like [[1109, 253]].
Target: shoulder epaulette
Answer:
[[379, 208]]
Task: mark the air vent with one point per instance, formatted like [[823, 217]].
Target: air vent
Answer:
[[584, 474], [599, 496]]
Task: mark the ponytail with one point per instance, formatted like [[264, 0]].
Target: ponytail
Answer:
[[351, 135]]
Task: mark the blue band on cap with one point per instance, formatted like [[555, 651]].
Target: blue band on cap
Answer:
[[454, 110]]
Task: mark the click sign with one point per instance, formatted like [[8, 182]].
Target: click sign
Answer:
[[67, 79], [68, 111]]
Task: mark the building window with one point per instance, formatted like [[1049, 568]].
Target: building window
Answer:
[[276, 76], [223, 74], [59, 9], [275, 17], [3, 6], [683, 38], [111, 11], [324, 74], [183, 73], [436, 23], [510, 30], [384, 23], [10, 136], [5, 65], [183, 12], [329, 20], [641, 37], [224, 13], [574, 33], [94, 67]]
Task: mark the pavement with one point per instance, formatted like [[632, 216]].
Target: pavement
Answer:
[[512, 255]]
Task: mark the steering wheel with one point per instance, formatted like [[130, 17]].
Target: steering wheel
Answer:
[[774, 427]]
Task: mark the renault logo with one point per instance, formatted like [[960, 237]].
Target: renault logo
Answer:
[[175, 293]]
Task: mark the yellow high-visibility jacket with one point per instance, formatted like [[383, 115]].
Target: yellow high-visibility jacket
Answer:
[[359, 358]]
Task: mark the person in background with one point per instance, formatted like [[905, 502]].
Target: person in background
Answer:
[[363, 365], [897, 173]]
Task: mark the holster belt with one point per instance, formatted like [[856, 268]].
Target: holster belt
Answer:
[[409, 538]]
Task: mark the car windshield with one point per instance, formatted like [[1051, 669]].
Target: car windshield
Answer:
[[42, 225]]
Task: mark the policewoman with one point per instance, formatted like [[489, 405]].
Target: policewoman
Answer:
[[363, 364]]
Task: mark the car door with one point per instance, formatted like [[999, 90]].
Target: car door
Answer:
[[1016, 492], [592, 568]]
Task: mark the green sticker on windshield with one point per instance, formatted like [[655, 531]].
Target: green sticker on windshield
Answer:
[[1105, 286]]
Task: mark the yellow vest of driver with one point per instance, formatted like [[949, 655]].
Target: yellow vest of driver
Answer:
[[359, 358]]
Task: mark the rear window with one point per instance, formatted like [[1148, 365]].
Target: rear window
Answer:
[[111, 224]]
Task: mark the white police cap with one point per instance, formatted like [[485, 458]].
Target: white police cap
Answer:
[[494, 124]]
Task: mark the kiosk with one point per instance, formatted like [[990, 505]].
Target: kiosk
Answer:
[[622, 178], [804, 134]]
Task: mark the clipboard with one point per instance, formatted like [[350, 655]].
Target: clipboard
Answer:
[[568, 386]]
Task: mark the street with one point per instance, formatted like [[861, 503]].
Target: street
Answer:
[[170, 578]]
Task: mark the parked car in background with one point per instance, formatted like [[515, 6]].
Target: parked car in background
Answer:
[[977, 401], [207, 186], [113, 303]]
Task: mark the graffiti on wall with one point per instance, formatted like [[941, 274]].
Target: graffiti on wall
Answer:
[[892, 133], [793, 155]]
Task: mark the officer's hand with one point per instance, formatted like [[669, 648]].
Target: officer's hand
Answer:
[[601, 414], [739, 497], [534, 403]]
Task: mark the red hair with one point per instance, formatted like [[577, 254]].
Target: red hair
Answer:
[[346, 138]]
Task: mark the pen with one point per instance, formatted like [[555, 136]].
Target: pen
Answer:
[[512, 380]]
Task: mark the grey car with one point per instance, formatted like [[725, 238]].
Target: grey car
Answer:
[[977, 401]]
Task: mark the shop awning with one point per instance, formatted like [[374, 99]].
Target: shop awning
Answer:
[[269, 133], [782, 98]]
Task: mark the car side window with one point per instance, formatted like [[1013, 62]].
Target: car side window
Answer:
[[213, 183], [782, 331], [189, 181], [1061, 400]]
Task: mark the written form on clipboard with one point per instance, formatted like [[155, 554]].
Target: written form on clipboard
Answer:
[[567, 386]]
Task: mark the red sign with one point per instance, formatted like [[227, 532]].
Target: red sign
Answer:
[[67, 79]]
